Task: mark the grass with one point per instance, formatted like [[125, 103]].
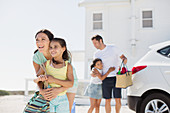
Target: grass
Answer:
[[3, 92]]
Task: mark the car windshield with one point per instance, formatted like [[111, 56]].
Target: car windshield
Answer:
[[165, 51]]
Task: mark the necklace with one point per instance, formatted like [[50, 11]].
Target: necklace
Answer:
[[57, 62]]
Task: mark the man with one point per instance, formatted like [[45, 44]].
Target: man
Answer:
[[110, 56]]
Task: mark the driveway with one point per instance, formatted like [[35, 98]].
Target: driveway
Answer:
[[16, 104]]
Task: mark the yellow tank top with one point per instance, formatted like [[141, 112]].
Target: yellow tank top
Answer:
[[59, 73]]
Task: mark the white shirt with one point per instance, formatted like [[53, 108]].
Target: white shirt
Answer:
[[96, 80], [110, 57]]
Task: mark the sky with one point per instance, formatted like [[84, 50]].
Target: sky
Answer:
[[19, 22]]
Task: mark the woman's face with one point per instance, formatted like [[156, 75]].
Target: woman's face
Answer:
[[99, 65], [56, 50], [42, 42]]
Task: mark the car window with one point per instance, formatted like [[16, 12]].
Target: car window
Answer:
[[165, 51]]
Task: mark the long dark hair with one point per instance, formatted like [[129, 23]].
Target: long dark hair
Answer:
[[62, 42], [69, 56], [94, 62], [47, 32]]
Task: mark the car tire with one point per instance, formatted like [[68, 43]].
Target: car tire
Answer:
[[154, 102]]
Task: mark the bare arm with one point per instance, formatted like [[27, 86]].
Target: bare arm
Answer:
[[38, 71], [40, 78], [49, 93], [102, 77], [65, 83], [93, 73], [123, 57]]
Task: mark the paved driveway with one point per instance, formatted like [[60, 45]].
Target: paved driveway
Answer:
[[16, 104]]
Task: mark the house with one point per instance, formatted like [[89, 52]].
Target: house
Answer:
[[132, 25]]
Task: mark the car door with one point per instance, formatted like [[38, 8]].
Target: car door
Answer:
[[165, 69]]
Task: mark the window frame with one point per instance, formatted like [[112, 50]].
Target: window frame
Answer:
[[97, 21], [166, 55]]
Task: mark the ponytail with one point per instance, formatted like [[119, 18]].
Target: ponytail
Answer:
[[91, 67], [65, 55]]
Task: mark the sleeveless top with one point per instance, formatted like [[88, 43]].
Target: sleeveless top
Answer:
[[59, 73], [39, 58]]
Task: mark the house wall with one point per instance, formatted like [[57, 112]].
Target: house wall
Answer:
[[160, 31], [117, 27]]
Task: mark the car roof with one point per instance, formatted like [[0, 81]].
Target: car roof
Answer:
[[160, 45]]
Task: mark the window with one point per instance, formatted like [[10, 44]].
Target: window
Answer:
[[97, 21], [165, 51], [147, 19]]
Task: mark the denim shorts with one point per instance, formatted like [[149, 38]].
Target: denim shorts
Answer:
[[59, 105], [94, 91]]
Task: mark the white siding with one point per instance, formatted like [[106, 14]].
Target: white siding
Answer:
[[117, 28]]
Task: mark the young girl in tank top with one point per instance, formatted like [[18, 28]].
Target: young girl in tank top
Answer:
[[59, 71]]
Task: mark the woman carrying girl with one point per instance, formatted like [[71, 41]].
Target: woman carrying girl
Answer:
[[94, 89], [43, 38], [59, 72]]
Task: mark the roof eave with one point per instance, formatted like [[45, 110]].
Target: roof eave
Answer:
[[88, 3]]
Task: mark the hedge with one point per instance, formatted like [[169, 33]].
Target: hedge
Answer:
[[3, 92]]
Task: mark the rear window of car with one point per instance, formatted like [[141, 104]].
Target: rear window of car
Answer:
[[165, 51]]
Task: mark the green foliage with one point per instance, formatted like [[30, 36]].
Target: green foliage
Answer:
[[3, 92]]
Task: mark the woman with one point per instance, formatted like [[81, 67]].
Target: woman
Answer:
[[59, 72], [43, 38]]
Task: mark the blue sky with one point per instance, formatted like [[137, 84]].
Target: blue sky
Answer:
[[19, 22]]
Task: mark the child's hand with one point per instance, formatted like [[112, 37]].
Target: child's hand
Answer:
[[42, 78], [111, 69], [36, 80], [95, 72], [93, 75]]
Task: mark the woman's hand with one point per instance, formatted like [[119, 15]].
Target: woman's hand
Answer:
[[51, 93], [43, 92]]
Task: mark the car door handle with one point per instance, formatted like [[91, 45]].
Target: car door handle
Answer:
[[167, 72]]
